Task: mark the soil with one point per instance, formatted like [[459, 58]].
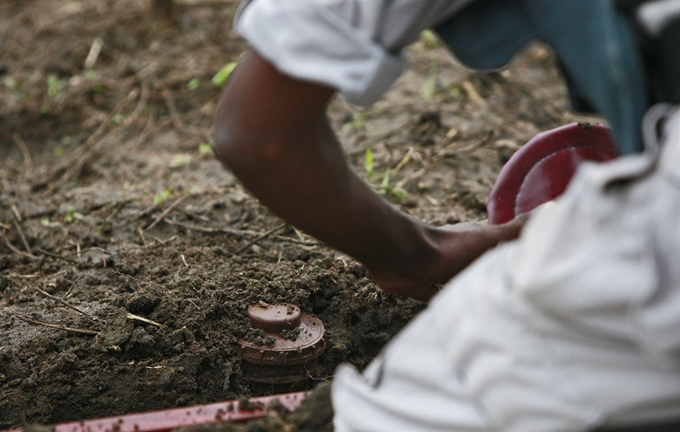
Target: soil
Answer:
[[116, 220]]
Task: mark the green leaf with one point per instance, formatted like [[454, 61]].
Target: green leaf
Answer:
[[92, 74], [430, 87], [53, 86], [222, 76], [385, 181], [368, 160], [162, 197], [396, 192], [72, 215], [193, 83], [179, 160], [117, 119], [430, 39], [10, 83], [205, 149]]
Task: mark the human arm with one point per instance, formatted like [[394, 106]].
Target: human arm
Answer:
[[273, 133]]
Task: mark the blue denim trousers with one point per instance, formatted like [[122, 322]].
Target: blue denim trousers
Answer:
[[593, 42]]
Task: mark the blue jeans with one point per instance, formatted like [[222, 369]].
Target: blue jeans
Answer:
[[592, 40]]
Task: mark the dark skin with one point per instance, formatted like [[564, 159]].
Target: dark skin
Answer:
[[273, 133]]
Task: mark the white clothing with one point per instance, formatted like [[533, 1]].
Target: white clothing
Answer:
[[353, 46], [573, 326]]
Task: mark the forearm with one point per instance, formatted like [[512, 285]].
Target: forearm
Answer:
[[272, 132], [288, 157], [312, 187]]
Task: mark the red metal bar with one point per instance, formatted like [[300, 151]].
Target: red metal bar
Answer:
[[161, 421]]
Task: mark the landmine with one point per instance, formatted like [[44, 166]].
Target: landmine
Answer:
[[294, 342]]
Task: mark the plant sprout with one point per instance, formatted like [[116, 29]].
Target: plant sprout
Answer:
[[72, 215], [179, 160], [222, 76], [205, 149], [368, 161], [193, 83], [160, 198], [430, 86], [385, 187], [430, 39], [53, 86]]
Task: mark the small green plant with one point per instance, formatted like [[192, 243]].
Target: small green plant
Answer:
[[10, 83], [93, 76], [430, 39], [47, 223], [368, 162], [117, 119], [378, 110], [205, 148], [454, 91], [72, 215], [385, 188], [67, 140], [193, 84], [54, 86], [179, 160], [358, 121], [222, 76], [430, 86], [14, 86], [162, 197], [59, 151], [98, 87]]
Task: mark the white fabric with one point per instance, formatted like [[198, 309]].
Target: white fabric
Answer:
[[656, 15], [576, 324], [353, 46]]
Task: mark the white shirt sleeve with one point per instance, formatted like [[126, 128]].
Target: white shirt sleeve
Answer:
[[354, 46]]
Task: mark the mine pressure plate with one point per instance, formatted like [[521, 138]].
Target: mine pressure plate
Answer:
[[297, 336]]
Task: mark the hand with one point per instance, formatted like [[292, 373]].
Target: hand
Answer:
[[459, 245]]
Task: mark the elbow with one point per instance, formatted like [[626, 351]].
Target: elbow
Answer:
[[226, 145], [243, 149]]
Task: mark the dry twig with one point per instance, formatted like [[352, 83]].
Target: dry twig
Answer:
[[25, 151], [142, 319], [56, 326], [263, 236], [64, 303], [211, 230], [165, 212], [15, 250], [17, 225], [57, 256], [177, 121]]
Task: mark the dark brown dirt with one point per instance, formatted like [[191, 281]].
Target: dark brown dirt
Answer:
[[110, 202]]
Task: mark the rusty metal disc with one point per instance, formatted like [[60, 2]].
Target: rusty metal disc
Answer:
[[286, 350]]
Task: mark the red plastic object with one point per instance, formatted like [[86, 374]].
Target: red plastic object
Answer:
[[161, 421], [541, 170]]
